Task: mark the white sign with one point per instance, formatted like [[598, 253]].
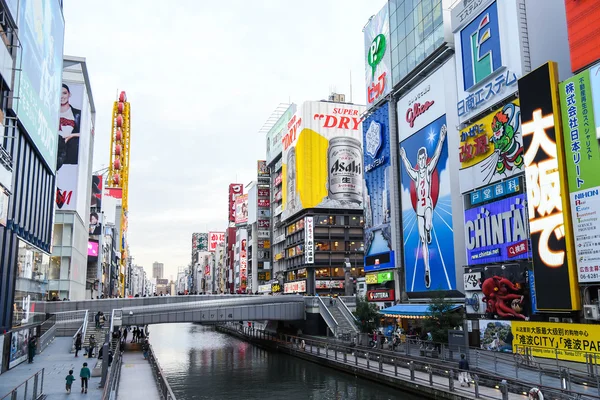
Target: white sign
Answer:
[[264, 288], [215, 239], [330, 284], [295, 287], [472, 281], [264, 234], [425, 103], [488, 55], [309, 241], [585, 210]]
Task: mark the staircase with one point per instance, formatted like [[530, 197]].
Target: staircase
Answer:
[[99, 334], [345, 326]]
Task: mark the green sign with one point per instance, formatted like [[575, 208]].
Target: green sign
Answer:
[[579, 131], [385, 277], [376, 52]]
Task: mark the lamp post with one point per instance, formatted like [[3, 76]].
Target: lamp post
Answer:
[[347, 279]]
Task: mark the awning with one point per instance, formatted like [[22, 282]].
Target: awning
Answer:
[[410, 310]]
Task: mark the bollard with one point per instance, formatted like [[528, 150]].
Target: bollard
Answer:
[[318, 350], [368, 359], [476, 384], [345, 358], [326, 351], [380, 364], [451, 380], [356, 358], [395, 367], [411, 367], [504, 389], [430, 371], [335, 353]]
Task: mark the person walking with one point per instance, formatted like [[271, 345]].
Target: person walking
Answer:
[[125, 332], [77, 344], [97, 319], [85, 375], [31, 348], [70, 379], [145, 348], [463, 375]]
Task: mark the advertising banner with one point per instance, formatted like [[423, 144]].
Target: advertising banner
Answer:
[[199, 242], [378, 176], [241, 209], [488, 54], [371, 279], [496, 335], [96, 198], [584, 33], [92, 248], [492, 148], [214, 240], [264, 276], [555, 340], [18, 347], [294, 287], [378, 50], [276, 133], [243, 266], [378, 278], [426, 210], [595, 84], [263, 203], [263, 223], [207, 270], [502, 290], [549, 220], [583, 164], [69, 157], [261, 168], [380, 295], [235, 190], [329, 284], [264, 288], [264, 192], [497, 231], [41, 34], [95, 227], [309, 240], [322, 158]]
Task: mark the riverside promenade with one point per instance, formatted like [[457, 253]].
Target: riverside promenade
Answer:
[[429, 379]]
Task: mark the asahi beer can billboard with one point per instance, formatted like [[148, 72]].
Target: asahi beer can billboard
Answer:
[[323, 158]]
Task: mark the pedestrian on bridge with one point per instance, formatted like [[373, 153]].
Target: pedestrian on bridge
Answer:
[[85, 375], [31, 348], [77, 344], [463, 375], [97, 319], [125, 332]]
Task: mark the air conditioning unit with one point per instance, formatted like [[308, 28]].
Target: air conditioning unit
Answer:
[[553, 319], [591, 312]]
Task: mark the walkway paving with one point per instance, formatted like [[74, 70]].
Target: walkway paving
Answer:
[[56, 360], [137, 381]]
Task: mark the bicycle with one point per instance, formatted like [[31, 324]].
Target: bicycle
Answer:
[[523, 356]]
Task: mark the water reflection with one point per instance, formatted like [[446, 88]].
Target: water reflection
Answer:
[[203, 364]]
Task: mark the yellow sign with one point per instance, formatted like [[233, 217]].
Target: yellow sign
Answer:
[[371, 279], [547, 340]]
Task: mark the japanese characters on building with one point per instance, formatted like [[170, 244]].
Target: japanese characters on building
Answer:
[[378, 57], [488, 49], [583, 167], [548, 206]]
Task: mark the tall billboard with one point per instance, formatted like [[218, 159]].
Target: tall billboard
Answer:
[[583, 165], [488, 49], [214, 240], [378, 58], [428, 233], [276, 133], [235, 190], [322, 158], [583, 26], [548, 206], [377, 199], [41, 33], [241, 209], [69, 157], [491, 149], [96, 197]]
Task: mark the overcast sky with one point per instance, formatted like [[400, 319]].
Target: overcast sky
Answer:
[[202, 78]]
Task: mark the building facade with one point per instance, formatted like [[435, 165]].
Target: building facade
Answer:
[[158, 270]]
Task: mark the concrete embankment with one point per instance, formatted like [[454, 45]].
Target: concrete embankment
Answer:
[[400, 375]]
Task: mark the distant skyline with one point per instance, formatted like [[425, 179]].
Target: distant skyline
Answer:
[[202, 79]]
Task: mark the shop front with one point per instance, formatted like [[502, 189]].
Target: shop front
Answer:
[[408, 318]]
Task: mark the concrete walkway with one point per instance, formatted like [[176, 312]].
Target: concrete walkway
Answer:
[[137, 381], [56, 361]]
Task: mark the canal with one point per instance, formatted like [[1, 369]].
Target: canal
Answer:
[[201, 363]]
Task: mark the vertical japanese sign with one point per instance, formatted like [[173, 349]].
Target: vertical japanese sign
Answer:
[[554, 266], [378, 57], [235, 190], [214, 240], [309, 241], [583, 165]]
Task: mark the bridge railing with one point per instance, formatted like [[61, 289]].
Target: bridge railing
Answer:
[[31, 389], [48, 335], [163, 385]]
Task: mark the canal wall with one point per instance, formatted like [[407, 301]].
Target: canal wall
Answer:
[[401, 383]]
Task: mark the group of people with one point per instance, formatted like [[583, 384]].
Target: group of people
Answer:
[[100, 319], [89, 350], [84, 374]]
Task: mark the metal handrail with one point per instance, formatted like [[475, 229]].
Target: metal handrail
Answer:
[[69, 316], [81, 330], [163, 385], [111, 386], [328, 317], [375, 359], [37, 390], [46, 338], [348, 312]]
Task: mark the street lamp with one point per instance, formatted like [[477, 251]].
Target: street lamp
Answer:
[[347, 286]]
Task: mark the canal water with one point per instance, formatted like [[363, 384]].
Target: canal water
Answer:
[[200, 363]]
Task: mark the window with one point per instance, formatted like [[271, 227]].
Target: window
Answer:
[[354, 246], [302, 274], [322, 246], [340, 220], [67, 235], [322, 220], [58, 235], [437, 15], [337, 246], [357, 220]]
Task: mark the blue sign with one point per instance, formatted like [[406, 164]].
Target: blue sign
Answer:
[[495, 191], [41, 30], [427, 210], [378, 262], [377, 175], [498, 231], [480, 41], [532, 292]]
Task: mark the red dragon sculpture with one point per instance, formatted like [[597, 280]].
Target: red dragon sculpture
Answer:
[[502, 298]]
